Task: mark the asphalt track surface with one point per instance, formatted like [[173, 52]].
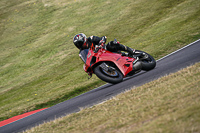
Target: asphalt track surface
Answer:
[[171, 63]]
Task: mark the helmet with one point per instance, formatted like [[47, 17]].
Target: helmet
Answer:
[[79, 40]]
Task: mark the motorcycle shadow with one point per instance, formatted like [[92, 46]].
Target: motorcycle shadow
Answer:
[[135, 75]]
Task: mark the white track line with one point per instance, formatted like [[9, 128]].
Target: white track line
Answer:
[[178, 50]]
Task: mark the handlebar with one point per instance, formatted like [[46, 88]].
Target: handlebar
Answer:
[[102, 45], [96, 50]]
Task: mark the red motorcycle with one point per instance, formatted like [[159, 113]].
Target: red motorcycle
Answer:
[[113, 67]]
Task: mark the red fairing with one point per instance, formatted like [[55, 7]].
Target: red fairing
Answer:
[[124, 63], [113, 67]]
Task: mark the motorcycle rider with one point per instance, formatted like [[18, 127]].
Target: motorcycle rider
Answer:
[[82, 42]]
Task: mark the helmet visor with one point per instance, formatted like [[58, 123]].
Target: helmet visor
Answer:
[[79, 44]]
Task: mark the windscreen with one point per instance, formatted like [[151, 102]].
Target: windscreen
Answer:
[[83, 55]]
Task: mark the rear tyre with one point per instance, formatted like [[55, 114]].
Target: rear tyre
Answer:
[[111, 77], [148, 62]]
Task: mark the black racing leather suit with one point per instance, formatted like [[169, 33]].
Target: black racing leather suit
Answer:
[[92, 41]]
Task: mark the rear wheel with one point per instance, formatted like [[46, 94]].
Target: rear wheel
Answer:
[[114, 76], [148, 62]]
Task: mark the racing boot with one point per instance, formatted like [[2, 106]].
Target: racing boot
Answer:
[[127, 49]]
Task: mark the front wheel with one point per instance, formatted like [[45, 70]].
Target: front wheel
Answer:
[[113, 77], [148, 62]]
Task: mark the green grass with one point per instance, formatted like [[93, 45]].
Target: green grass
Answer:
[[39, 65], [169, 105]]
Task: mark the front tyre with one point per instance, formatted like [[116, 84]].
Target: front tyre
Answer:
[[111, 77], [148, 62]]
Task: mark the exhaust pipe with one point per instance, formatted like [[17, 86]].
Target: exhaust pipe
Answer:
[[137, 66]]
